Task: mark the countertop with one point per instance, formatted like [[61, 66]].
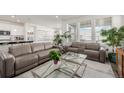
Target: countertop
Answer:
[[14, 42]]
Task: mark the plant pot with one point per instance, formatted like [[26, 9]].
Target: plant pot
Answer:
[[55, 62], [112, 57]]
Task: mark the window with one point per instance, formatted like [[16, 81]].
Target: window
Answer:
[[72, 29], [105, 23], [85, 30], [45, 36], [90, 29]]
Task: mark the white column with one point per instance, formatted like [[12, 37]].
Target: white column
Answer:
[[93, 37], [35, 34], [78, 32], [26, 28]]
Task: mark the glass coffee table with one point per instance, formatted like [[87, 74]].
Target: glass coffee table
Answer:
[[70, 65]]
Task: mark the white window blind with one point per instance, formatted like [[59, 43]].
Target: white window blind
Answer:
[[45, 36], [85, 30], [104, 23]]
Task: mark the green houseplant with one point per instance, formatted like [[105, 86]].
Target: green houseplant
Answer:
[[55, 55], [113, 37], [66, 35], [58, 39]]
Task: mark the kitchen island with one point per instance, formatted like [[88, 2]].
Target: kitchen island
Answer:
[[14, 42]]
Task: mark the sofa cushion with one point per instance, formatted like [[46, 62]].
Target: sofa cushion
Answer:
[[82, 45], [25, 60], [71, 49], [92, 53], [20, 50], [43, 54], [37, 47], [53, 49], [93, 46], [48, 45], [81, 50], [75, 44]]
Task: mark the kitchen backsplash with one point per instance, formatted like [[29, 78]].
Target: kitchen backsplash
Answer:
[[2, 38], [11, 38]]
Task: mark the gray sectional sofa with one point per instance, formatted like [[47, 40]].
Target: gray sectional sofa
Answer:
[[92, 50], [24, 57]]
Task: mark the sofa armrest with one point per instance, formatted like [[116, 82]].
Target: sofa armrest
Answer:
[[6, 64], [66, 47], [102, 52]]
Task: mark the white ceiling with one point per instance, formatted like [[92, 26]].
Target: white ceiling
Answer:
[[44, 20]]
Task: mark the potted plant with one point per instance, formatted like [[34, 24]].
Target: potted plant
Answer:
[[55, 55], [66, 35], [113, 37], [58, 39]]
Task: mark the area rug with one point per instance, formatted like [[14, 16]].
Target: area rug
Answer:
[[93, 70], [98, 70]]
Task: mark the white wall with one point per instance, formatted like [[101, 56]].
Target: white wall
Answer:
[[41, 31], [15, 29], [23, 29], [122, 19], [116, 21], [83, 18], [27, 28]]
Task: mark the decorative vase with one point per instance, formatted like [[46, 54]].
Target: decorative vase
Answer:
[[55, 62]]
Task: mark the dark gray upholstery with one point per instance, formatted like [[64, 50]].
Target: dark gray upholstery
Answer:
[[75, 44], [24, 57], [43, 54], [92, 54], [48, 45], [19, 71], [55, 49], [20, 50], [7, 62], [37, 47], [93, 46], [92, 50], [25, 60], [73, 49], [82, 45]]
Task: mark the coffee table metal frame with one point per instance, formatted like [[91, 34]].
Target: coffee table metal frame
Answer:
[[74, 74]]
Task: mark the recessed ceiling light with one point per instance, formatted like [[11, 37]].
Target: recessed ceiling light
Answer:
[[13, 16], [57, 16]]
